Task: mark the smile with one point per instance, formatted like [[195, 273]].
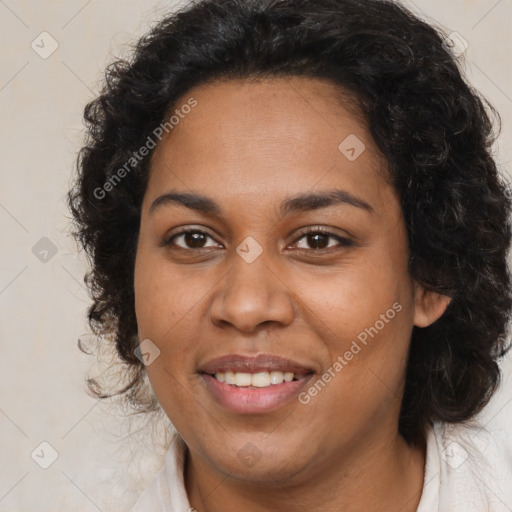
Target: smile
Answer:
[[254, 380], [254, 384], [254, 395]]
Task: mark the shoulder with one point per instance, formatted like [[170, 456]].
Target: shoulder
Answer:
[[166, 492], [468, 467]]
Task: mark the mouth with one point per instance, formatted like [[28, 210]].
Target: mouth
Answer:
[[256, 380], [254, 384]]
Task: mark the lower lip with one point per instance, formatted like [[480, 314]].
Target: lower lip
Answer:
[[253, 400]]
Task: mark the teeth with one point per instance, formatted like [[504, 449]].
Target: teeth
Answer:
[[258, 380], [229, 378], [243, 379], [276, 377], [288, 377]]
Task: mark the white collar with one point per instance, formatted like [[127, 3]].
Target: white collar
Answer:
[[166, 492], [466, 470]]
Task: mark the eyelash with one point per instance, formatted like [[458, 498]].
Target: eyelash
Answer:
[[344, 242]]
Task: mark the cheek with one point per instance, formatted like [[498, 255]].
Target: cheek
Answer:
[[355, 297], [169, 306], [367, 356], [163, 296], [164, 305], [364, 314]]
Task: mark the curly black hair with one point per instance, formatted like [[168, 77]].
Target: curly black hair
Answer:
[[435, 131]]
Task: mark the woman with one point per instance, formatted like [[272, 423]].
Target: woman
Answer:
[[299, 234]]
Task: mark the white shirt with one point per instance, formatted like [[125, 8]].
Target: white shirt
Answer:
[[466, 470]]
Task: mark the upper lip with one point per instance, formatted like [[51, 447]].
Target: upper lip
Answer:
[[253, 364]]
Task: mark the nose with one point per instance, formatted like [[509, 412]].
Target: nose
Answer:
[[250, 295]]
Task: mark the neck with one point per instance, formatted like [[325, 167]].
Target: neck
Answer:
[[385, 477]]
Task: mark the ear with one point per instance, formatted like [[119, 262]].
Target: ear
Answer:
[[429, 306]]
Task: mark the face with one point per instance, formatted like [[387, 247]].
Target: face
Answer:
[[287, 255]]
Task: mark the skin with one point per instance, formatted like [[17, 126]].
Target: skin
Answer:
[[248, 145]]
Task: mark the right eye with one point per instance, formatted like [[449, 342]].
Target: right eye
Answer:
[[190, 239]]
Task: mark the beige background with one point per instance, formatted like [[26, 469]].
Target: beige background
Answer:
[[42, 305]]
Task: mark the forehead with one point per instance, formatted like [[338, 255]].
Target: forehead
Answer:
[[277, 112], [265, 137]]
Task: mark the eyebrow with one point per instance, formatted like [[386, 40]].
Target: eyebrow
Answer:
[[299, 203]]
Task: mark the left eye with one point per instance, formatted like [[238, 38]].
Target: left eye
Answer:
[[320, 240]]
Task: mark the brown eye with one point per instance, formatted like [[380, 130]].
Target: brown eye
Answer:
[[194, 240], [190, 239], [318, 240]]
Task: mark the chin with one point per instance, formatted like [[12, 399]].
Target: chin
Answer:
[[253, 462]]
